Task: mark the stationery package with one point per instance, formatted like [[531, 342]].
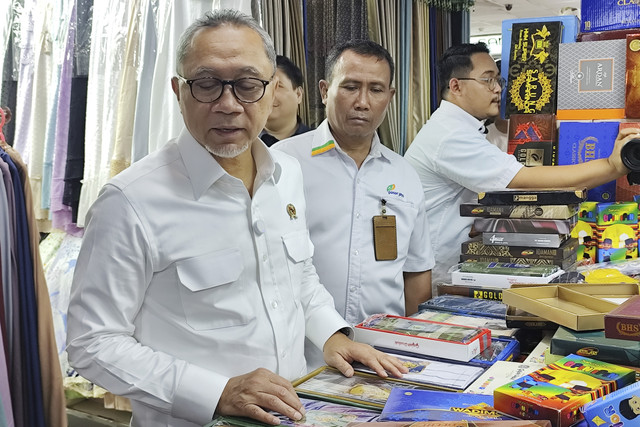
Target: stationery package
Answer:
[[449, 341]]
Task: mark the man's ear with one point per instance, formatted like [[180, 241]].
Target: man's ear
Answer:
[[299, 92], [454, 86], [175, 86], [323, 85]]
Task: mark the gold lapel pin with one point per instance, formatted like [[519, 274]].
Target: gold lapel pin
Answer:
[[291, 210]]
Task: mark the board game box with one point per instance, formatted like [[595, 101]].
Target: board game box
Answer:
[[519, 211], [532, 196], [429, 405], [558, 391], [449, 341], [475, 246]]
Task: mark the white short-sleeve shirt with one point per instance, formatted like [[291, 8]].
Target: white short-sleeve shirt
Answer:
[[341, 203], [455, 161]]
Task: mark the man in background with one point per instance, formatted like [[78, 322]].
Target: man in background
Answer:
[[365, 203], [455, 161], [284, 120]]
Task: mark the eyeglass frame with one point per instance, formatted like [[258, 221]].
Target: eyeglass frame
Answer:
[[501, 81], [224, 83]]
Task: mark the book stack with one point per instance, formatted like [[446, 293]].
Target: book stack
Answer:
[[523, 233]]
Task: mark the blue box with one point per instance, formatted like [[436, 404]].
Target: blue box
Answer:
[[612, 409], [570, 27], [604, 15], [579, 142], [431, 405]]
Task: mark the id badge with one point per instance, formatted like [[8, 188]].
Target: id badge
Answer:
[[384, 237]]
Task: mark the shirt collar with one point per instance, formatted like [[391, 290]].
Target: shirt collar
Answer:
[[324, 142], [204, 170], [453, 109]]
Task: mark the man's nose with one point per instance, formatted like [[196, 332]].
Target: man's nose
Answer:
[[362, 100], [227, 101]]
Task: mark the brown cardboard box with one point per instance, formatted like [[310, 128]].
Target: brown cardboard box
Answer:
[[580, 307], [623, 322]]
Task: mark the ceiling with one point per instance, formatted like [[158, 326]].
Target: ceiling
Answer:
[[487, 15]]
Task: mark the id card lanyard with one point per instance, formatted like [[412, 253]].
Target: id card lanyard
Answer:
[[385, 241]]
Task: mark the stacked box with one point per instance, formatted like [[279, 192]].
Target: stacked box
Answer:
[[570, 28], [533, 65], [585, 232], [580, 142], [632, 91], [532, 139], [595, 345], [617, 231], [604, 15], [557, 391], [591, 80]]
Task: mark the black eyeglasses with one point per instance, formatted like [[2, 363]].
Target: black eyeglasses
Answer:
[[490, 82], [210, 89]]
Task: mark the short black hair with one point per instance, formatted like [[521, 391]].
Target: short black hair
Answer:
[[456, 62], [291, 70], [361, 47]]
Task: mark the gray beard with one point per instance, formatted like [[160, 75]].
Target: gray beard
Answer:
[[227, 152]]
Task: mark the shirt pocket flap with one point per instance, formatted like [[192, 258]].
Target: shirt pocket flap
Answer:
[[210, 270], [298, 244]]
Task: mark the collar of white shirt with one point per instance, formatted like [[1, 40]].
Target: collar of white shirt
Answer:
[[204, 170]]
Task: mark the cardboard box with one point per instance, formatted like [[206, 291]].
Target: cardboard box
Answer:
[[585, 232], [533, 65], [604, 15], [557, 391], [517, 318], [569, 34], [617, 231], [475, 246], [613, 409], [562, 305], [580, 142], [455, 342], [479, 292], [591, 80], [623, 322], [595, 345], [497, 280]]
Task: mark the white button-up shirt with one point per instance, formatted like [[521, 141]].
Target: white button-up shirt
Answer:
[[341, 201], [184, 281], [455, 161]]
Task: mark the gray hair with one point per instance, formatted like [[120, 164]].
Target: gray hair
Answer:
[[216, 19]]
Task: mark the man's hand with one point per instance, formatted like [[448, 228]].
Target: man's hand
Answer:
[[624, 136], [339, 352], [253, 394]]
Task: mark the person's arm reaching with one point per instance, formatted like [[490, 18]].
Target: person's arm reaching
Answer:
[[589, 174]]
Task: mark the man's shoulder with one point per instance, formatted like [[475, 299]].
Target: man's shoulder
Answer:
[[297, 146], [149, 167]]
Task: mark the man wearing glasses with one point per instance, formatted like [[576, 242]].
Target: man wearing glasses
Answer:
[[455, 161], [194, 288]]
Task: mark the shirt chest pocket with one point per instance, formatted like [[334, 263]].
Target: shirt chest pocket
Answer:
[[211, 291], [299, 248]]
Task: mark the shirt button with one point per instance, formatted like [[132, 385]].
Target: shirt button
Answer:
[[357, 214], [265, 257], [284, 354], [274, 304], [356, 252], [258, 226]]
